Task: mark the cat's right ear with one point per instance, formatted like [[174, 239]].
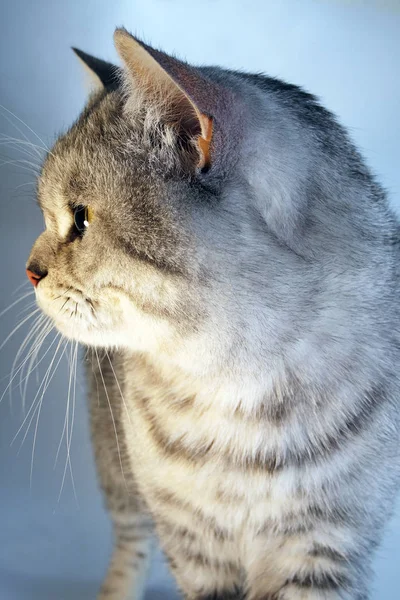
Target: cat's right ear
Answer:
[[101, 74]]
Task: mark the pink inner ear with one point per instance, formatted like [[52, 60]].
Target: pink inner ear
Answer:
[[167, 79], [204, 141]]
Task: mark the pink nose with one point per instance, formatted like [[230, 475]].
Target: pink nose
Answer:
[[33, 277]]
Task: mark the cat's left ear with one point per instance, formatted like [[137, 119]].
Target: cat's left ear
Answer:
[[101, 74], [206, 113]]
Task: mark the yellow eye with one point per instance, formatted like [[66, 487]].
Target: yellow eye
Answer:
[[82, 217]]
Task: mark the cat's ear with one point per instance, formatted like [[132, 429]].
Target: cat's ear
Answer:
[[101, 74], [201, 108]]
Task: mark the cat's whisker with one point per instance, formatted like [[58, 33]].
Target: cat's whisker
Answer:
[[26, 144], [25, 151], [21, 185], [10, 306], [18, 162], [14, 124], [35, 327], [69, 359], [45, 387], [44, 145], [14, 372], [29, 306], [34, 363], [34, 404], [31, 357], [21, 162], [24, 283], [94, 374], [67, 432], [32, 353], [72, 423], [63, 305], [119, 387], [112, 418], [61, 295], [18, 327]]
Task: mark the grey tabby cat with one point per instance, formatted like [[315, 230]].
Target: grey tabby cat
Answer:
[[219, 240]]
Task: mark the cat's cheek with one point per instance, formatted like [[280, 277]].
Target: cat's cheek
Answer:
[[115, 322]]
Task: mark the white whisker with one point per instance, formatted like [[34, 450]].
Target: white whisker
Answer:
[[13, 373], [32, 366], [26, 144], [65, 425], [119, 387], [35, 327], [26, 125], [33, 407], [5, 310], [25, 151], [18, 327], [112, 417], [69, 433], [46, 385], [21, 163], [21, 285]]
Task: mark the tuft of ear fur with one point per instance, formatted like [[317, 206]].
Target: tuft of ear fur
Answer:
[[101, 74], [190, 101]]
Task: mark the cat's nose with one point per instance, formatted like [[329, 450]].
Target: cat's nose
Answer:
[[34, 276]]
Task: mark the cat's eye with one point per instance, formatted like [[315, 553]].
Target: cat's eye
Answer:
[[82, 217]]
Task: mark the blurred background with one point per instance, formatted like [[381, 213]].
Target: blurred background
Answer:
[[55, 537]]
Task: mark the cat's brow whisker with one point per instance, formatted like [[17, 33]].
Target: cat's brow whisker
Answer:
[[18, 162], [25, 124], [24, 150], [26, 144], [14, 124], [21, 162]]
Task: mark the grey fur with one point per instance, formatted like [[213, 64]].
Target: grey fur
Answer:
[[253, 316]]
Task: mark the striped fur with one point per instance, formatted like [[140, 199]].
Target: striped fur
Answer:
[[240, 297], [232, 527]]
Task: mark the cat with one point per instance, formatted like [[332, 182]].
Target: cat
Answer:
[[217, 241]]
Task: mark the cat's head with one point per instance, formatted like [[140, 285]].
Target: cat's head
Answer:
[[172, 207], [128, 196]]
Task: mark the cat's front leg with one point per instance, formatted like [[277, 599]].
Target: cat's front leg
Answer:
[[321, 564], [126, 575], [132, 526]]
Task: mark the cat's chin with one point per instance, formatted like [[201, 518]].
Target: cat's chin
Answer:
[[89, 336], [111, 322]]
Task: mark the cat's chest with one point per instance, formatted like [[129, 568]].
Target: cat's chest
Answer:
[[207, 458]]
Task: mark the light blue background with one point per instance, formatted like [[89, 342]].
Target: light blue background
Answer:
[[346, 52]]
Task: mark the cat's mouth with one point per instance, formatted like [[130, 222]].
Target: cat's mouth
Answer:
[[109, 318], [75, 315]]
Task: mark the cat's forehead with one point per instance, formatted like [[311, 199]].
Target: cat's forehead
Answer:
[[89, 155]]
